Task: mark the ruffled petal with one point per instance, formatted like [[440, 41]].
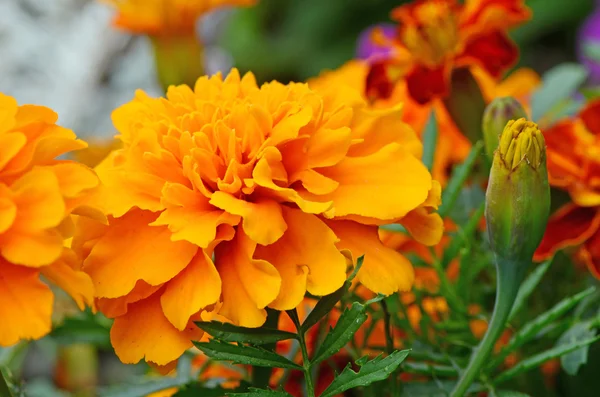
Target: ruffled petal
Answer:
[[425, 227], [384, 270], [65, 274], [130, 251]]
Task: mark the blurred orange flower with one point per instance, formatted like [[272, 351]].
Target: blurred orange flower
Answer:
[[436, 36], [573, 150], [38, 194], [246, 196], [155, 17]]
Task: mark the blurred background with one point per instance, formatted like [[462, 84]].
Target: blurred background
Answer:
[[64, 53]]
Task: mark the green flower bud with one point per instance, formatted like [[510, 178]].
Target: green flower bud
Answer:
[[499, 112], [179, 59], [518, 194]]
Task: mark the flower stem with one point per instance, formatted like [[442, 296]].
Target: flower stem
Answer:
[[262, 375], [389, 341], [306, 365], [510, 275]]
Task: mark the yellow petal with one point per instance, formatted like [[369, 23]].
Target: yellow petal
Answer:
[[74, 178], [10, 144], [385, 185], [35, 249], [64, 274], [8, 213], [384, 270], [196, 287], [8, 111], [25, 304], [426, 228], [262, 219], [248, 285], [145, 332], [308, 246], [131, 251]]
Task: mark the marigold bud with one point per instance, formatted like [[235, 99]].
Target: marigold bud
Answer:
[[518, 194], [499, 112]]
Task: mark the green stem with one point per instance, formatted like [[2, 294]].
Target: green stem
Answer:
[[389, 341], [306, 365], [510, 275], [4, 390], [262, 375]]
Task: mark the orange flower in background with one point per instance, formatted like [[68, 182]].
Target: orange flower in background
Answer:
[[38, 194], [573, 150], [155, 17], [245, 197], [436, 36]]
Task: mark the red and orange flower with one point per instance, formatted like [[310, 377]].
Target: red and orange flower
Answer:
[[38, 195], [436, 36], [155, 17], [233, 197], [573, 149]]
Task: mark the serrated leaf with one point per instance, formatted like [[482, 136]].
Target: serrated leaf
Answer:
[[572, 361], [375, 370], [558, 84], [256, 336], [349, 322], [430, 134], [249, 355], [253, 392], [528, 287], [532, 328], [458, 178], [324, 306], [539, 359]]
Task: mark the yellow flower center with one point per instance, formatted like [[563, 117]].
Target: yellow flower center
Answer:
[[522, 140], [434, 36]]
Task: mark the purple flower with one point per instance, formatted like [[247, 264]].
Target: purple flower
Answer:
[[367, 49], [588, 45]]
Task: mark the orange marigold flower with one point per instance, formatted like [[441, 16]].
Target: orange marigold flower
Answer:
[[165, 16], [38, 194], [574, 166], [245, 196], [436, 36]]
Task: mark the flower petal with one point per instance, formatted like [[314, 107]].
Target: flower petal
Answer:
[[64, 274], [306, 258], [427, 228], [196, 287], [25, 304], [384, 270], [145, 332], [131, 250]]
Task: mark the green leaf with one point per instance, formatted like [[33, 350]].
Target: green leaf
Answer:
[[458, 178], [591, 50], [528, 286], [349, 322], [532, 328], [558, 84], [430, 134], [590, 93], [434, 389], [578, 332], [324, 306], [420, 368], [196, 389], [82, 330], [375, 370], [253, 392], [256, 336], [539, 359], [249, 355], [463, 235]]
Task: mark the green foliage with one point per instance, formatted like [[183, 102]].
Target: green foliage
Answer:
[[430, 135], [256, 336], [559, 84], [371, 371], [253, 392], [580, 331], [241, 354], [528, 286]]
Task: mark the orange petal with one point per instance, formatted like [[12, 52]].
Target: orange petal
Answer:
[[8, 213], [427, 228], [35, 249], [385, 185], [328, 147], [131, 251], [384, 270], [196, 287], [569, 226], [248, 285], [262, 219], [10, 144], [74, 178], [25, 304], [8, 111], [64, 274], [145, 332], [116, 307], [306, 258]]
